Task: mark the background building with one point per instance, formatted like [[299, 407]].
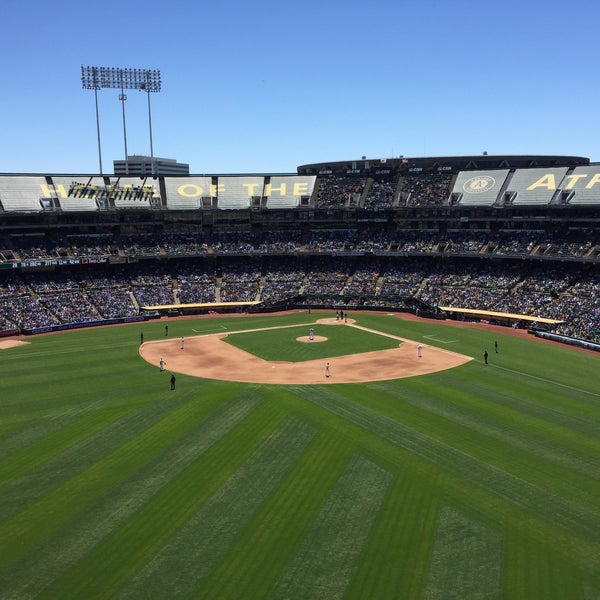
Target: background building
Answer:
[[146, 166]]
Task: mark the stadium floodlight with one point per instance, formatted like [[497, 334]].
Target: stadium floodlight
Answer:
[[145, 80]]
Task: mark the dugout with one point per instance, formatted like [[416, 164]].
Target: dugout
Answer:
[[498, 318], [200, 308]]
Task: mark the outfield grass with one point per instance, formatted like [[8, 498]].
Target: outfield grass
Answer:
[[475, 482]]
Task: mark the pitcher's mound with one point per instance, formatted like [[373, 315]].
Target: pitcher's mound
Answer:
[[316, 338]]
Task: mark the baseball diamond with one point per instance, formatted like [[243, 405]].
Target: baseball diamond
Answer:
[[207, 356]]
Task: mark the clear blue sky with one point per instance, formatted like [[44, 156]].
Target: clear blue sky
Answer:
[[267, 86]]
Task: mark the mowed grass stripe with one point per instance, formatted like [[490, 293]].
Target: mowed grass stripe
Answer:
[[64, 547], [545, 402], [529, 496], [466, 560], [570, 487], [546, 439], [33, 455], [29, 428], [499, 447], [534, 569], [67, 464], [121, 555], [27, 528], [176, 571], [278, 527], [328, 555], [395, 561], [590, 593]]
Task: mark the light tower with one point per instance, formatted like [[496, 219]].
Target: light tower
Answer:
[[147, 80]]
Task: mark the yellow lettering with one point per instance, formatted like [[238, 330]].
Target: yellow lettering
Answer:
[[215, 189], [45, 191], [593, 181], [546, 181], [48, 193], [301, 189], [250, 188], [573, 179], [60, 191], [189, 190], [269, 189]]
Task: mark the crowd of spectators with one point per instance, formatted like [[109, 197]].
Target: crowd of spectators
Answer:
[[336, 191], [384, 239], [153, 286], [142, 244], [283, 279], [380, 193], [327, 276], [196, 284], [463, 242], [564, 291], [430, 189]]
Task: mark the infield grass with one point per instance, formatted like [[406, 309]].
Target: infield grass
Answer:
[[475, 482], [281, 344]]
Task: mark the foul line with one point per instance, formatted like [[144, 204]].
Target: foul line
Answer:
[[564, 385], [434, 339]]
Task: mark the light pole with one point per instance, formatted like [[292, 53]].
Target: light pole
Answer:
[[91, 81], [152, 84], [122, 98]]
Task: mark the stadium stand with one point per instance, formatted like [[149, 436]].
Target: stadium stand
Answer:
[[74, 196], [189, 193], [534, 186], [288, 191], [582, 186], [416, 235], [479, 188], [429, 189], [132, 192], [23, 194], [239, 192], [339, 190]]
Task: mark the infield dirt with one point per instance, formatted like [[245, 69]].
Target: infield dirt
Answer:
[[209, 356]]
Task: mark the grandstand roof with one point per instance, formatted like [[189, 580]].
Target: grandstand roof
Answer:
[[451, 164]]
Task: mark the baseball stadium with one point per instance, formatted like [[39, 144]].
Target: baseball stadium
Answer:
[[373, 378]]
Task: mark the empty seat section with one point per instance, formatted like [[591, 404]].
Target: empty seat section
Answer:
[[287, 191], [188, 193]]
